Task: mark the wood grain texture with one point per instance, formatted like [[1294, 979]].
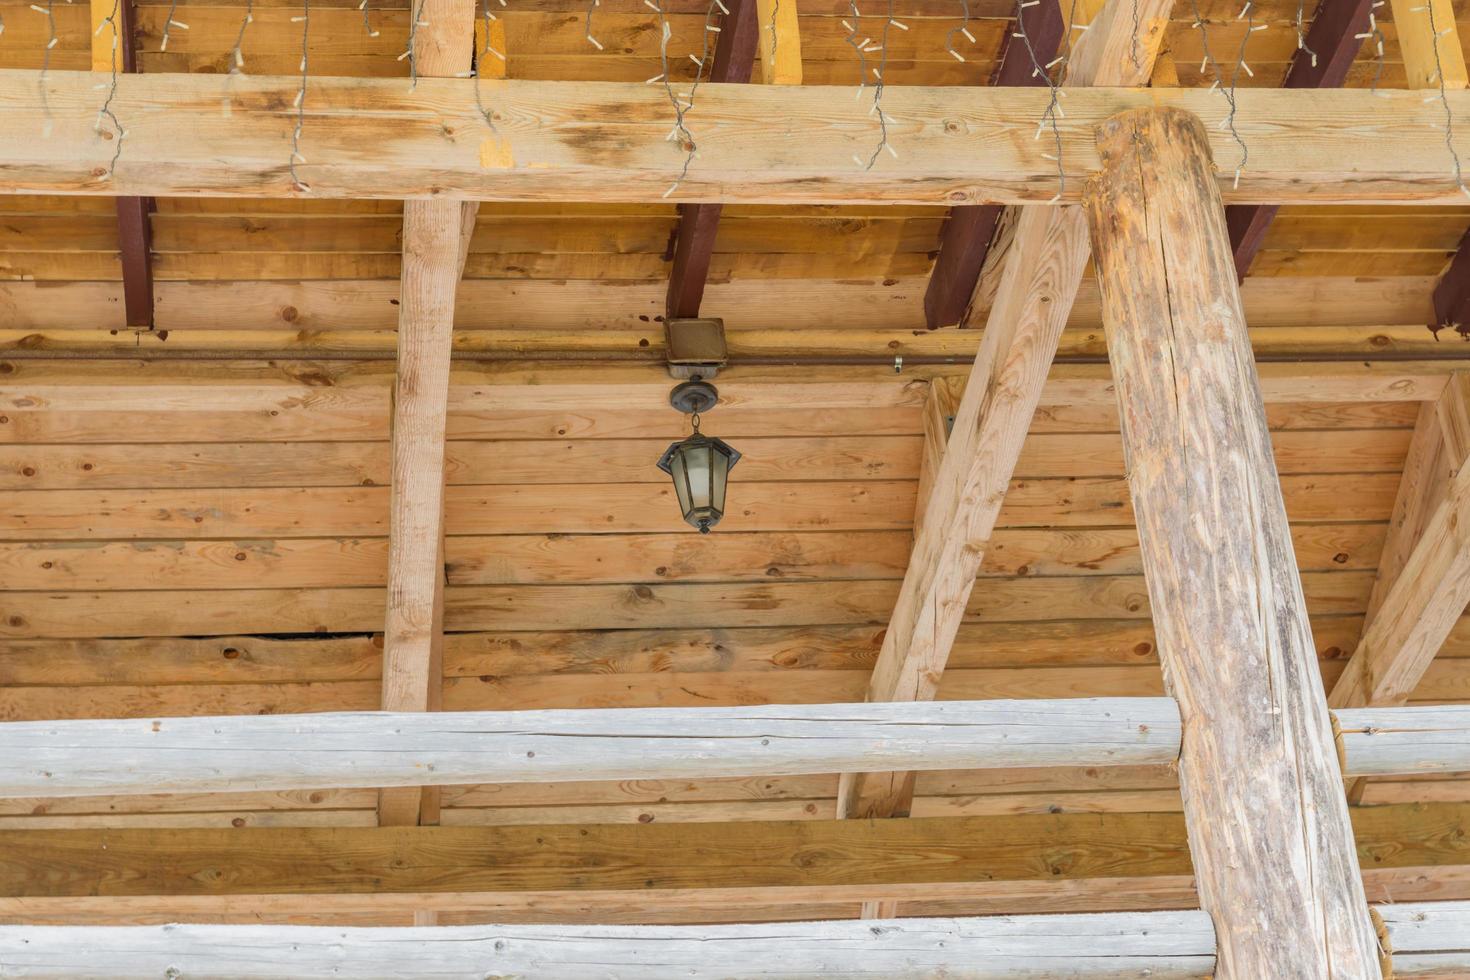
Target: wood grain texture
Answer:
[[1405, 741], [1421, 608], [1104, 861], [1421, 588], [1425, 480], [991, 421], [220, 754], [1430, 43], [414, 630], [1227, 604], [1427, 939], [431, 140], [1164, 945]]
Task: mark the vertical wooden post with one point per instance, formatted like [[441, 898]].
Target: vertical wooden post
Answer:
[[1268, 823]]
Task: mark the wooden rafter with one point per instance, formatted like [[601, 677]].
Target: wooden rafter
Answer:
[[1305, 144], [968, 230], [1423, 582], [435, 244], [1043, 269], [1337, 33], [694, 240]]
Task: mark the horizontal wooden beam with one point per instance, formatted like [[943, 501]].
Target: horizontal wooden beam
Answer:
[[68, 400], [381, 138], [1008, 863], [1422, 939], [364, 749], [249, 752], [1404, 741], [1156, 944]]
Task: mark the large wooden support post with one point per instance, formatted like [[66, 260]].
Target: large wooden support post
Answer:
[[1268, 823]]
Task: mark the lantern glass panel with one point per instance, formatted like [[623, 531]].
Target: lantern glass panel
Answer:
[[697, 461], [679, 471], [719, 479]]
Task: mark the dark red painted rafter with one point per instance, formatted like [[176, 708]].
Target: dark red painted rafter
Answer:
[[134, 233], [969, 230], [1334, 36], [1452, 292], [694, 241]]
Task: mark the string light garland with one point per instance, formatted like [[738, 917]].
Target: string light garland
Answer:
[[169, 23], [237, 56], [1376, 33], [1137, 30], [296, 156], [1301, 37], [51, 41], [879, 83], [367, 21], [411, 52], [1051, 115], [1247, 12], [963, 29], [1208, 63], [475, 69], [591, 6], [680, 134], [775, 38], [105, 112], [856, 45], [1449, 119]]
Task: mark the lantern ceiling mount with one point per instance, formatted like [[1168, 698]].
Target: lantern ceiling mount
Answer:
[[694, 397]]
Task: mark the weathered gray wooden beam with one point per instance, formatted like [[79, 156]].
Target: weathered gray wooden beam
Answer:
[[285, 752], [1425, 939], [1152, 944], [278, 752]]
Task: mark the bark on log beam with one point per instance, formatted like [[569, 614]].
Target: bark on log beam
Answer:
[[1259, 774]]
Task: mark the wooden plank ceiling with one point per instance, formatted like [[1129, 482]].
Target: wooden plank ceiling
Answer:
[[212, 537]]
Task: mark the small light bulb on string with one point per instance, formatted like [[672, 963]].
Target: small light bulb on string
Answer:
[[169, 23], [367, 23], [237, 56]]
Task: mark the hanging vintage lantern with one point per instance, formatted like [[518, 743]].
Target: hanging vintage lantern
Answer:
[[700, 465]]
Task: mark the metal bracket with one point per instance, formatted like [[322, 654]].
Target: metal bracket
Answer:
[[695, 347]]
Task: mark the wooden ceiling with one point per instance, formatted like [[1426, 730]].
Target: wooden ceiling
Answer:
[[210, 535]]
